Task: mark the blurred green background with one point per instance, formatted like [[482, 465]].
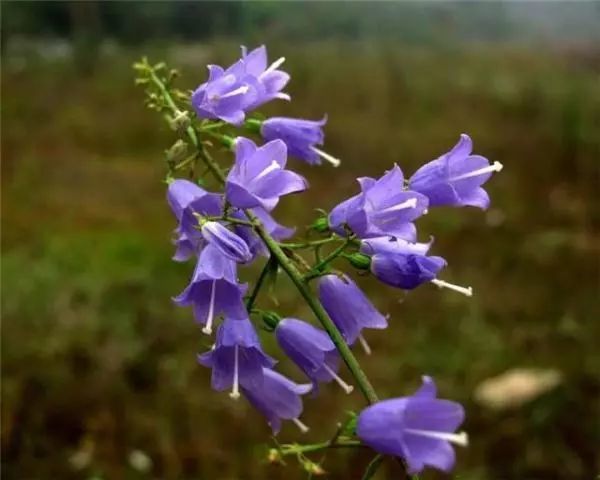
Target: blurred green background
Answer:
[[99, 378]]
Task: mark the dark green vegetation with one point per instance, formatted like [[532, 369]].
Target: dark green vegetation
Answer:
[[97, 362]]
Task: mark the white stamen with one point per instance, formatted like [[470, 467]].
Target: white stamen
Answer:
[[364, 344], [467, 291], [495, 167], [274, 166], [211, 310], [283, 96], [325, 156], [410, 203], [347, 388], [303, 428], [235, 392], [241, 90], [460, 438], [277, 63]]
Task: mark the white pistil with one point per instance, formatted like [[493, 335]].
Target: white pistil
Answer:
[[274, 166], [303, 428], [325, 156], [277, 63], [495, 167], [238, 91], [364, 344], [467, 291], [283, 96], [211, 310], [347, 388], [410, 203], [235, 392], [460, 438]]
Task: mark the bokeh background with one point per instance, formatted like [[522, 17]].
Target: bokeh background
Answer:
[[99, 378]]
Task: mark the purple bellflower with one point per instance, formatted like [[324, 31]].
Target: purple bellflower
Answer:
[[247, 84], [419, 428], [277, 398], [270, 81], [383, 208], [300, 136], [237, 358], [214, 289], [187, 200], [258, 178], [312, 350], [349, 308], [406, 265], [224, 240], [456, 177]]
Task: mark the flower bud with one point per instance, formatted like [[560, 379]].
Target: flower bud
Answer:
[[271, 319], [360, 261], [321, 225]]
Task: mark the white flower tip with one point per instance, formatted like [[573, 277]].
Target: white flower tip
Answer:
[[336, 162], [348, 389], [462, 439], [425, 212], [234, 395], [207, 330], [303, 428], [498, 166]]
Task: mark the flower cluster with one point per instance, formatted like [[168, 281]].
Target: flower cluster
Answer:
[[374, 230]]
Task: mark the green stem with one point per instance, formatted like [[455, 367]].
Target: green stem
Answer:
[[259, 282], [332, 256], [314, 243], [372, 467], [315, 447]]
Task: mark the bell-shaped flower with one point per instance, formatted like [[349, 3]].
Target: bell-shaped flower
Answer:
[[237, 359], [393, 245], [224, 240], [407, 266], [383, 208], [258, 178], [349, 308], [187, 200], [269, 81], [312, 350], [254, 242], [300, 136], [229, 93], [213, 290], [277, 398], [419, 429], [225, 95], [456, 177]]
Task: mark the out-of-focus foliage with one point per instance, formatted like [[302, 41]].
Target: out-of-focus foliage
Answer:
[[99, 378]]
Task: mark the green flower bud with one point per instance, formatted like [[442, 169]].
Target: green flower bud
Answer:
[[321, 225], [359, 260], [271, 319]]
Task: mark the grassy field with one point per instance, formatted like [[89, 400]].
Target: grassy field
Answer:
[[99, 378]]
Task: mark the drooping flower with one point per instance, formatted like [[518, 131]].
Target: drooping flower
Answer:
[[187, 200], [245, 85], [419, 428], [254, 242], [406, 266], [312, 350], [224, 240], [258, 178], [406, 271], [383, 208], [237, 358], [300, 136], [349, 308], [456, 177], [277, 398], [213, 290]]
